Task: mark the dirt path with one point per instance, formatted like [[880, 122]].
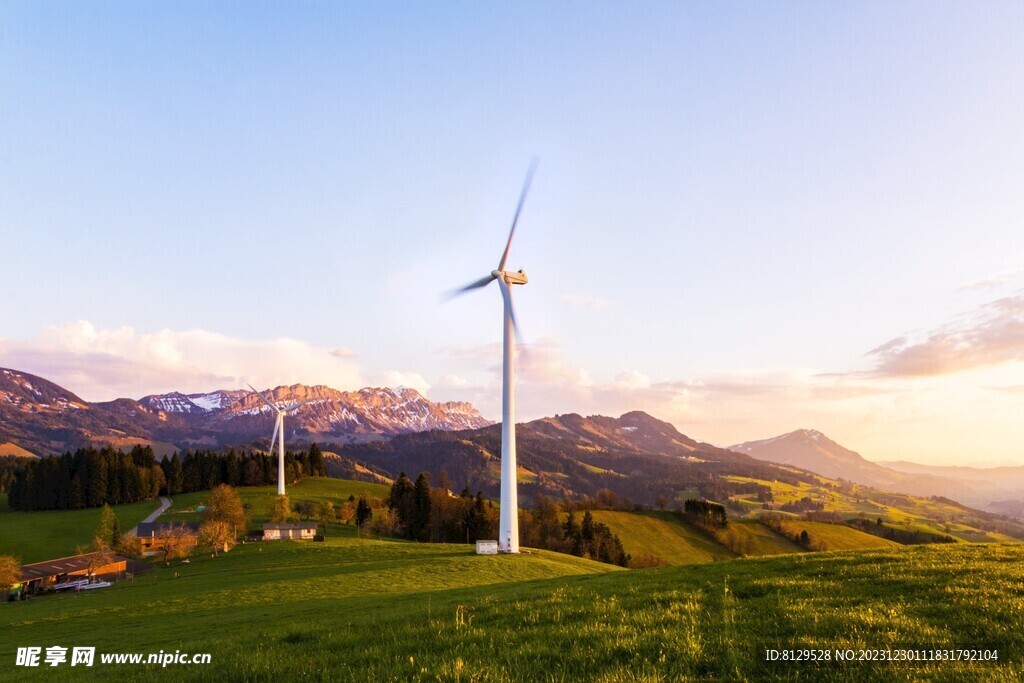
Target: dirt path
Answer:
[[164, 504]]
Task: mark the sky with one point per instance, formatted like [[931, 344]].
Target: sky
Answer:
[[747, 218]]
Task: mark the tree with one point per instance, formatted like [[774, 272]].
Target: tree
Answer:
[[805, 539], [225, 505], [421, 526], [587, 530], [105, 530], [281, 511], [305, 509], [385, 523], [326, 514], [129, 545], [571, 527], [175, 541], [363, 511], [10, 574], [216, 535], [401, 500]]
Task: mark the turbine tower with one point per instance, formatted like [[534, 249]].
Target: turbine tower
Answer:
[[278, 427], [508, 526]]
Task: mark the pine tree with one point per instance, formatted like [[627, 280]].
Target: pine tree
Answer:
[[421, 526], [401, 501], [363, 512]]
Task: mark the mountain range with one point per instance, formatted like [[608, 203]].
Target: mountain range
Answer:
[[811, 450], [43, 418], [389, 430]]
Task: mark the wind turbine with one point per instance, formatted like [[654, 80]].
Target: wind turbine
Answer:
[[508, 525], [278, 427]]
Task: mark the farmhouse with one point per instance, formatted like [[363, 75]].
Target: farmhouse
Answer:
[[276, 532], [41, 577], [156, 535]]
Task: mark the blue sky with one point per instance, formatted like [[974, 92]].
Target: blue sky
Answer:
[[736, 203]]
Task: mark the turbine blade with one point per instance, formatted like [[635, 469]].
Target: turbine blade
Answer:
[[265, 399], [296, 405], [482, 282], [277, 424], [519, 208]]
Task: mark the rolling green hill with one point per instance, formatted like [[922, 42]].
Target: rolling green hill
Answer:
[[352, 609], [752, 539], [835, 536], [260, 498], [49, 534], [662, 536]]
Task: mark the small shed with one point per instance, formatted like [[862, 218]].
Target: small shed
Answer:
[[304, 531], [486, 547]]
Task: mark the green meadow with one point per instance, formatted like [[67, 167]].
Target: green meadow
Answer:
[[357, 609], [38, 536], [260, 498]]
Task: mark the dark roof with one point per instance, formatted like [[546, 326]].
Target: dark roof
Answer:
[[150, 529], [64, 565], [284, 527]]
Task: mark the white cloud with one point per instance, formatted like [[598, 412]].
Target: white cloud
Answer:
[[102, 364], [992, 281], [413, 380]]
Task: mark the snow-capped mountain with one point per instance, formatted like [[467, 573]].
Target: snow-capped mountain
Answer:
[[44, 418], [176, 402]]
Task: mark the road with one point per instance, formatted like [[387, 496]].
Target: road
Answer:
[[164, 504]]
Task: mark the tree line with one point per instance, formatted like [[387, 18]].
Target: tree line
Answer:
[[415, 510], [421, 512], [91, 478]]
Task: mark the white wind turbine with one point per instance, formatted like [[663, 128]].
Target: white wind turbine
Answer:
[[278, 427], [508, 525]]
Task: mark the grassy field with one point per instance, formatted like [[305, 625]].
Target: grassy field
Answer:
[[660, 535], [836, 536], [260, 498], [906, 512], [352, 609], [38, 536], [756, 540]]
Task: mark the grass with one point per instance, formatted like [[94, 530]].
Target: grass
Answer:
[[911, 513], [50, 534], [362, 610], [756, 540], [836, 536], [260, 498], [661, 535]]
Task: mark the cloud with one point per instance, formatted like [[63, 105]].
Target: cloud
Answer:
[[993, 281], [586, 301], [413, 380], [992, 335], [105, 364], [343, 352]]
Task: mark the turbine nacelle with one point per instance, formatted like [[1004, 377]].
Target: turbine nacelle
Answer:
[[510, 278]]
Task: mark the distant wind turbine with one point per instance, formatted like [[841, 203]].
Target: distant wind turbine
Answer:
[[508, 526], [278, 427]]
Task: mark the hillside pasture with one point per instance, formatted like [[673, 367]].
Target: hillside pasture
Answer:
[[50, 534], [354, 609]]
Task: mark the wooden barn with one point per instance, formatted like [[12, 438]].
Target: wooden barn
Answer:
[[65, 572]]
